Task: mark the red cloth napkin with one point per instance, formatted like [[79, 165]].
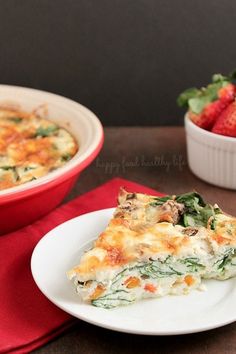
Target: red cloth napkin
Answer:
[[27, 318]]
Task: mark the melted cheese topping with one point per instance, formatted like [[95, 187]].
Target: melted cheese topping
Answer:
[[31, 147], [119, 245]]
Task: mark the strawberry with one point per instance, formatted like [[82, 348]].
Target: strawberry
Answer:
[[206, 104], [227, 93], [226, 122], [207, 118], [212, 110]]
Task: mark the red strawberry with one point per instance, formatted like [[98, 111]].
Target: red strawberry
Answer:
[[227, 93], [207, 118], [211, 111], [226, 122]]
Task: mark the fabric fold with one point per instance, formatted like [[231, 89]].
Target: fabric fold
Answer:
[[27, 318]]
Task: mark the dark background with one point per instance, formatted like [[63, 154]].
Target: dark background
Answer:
[[126, 60]]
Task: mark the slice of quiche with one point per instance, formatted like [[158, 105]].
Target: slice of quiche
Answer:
[[154, 246]]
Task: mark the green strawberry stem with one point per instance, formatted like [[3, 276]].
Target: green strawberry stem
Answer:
[[196, 99]]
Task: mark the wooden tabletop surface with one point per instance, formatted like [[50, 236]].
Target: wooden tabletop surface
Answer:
[[156, 157]]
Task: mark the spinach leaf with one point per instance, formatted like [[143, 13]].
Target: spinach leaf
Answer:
[[192, 201], [66, 157], [227, 259], [198, 219], [110, 302], [197, 212], [14, 171], [7, 168], [119, 276], [155, 270], [192, 263], [155, 273], [113, 299], [29, 168], [160, 200], [213, 224], [43, 132], [15, 119]]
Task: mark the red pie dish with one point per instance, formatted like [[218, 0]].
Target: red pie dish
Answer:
[[23, 204]]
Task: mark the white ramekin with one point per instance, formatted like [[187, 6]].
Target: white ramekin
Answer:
[[211, 157]]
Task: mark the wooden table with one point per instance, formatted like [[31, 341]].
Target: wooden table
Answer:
[[156, 157]]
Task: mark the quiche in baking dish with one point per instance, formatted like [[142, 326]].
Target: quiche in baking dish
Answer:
[[31, 147], [154, 246]]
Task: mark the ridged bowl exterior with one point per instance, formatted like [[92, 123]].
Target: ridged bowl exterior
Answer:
[[211, 157]]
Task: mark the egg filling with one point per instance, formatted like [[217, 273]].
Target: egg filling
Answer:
[[31, 147]]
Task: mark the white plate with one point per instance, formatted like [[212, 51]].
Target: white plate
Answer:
[[60, 250]]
